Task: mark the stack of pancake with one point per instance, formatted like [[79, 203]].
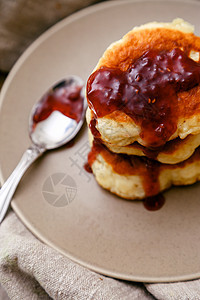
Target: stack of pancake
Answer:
[[144, 111]]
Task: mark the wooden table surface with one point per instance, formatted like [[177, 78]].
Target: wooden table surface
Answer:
[[3, 295]]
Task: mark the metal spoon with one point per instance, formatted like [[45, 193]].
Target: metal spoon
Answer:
[[54, 131]]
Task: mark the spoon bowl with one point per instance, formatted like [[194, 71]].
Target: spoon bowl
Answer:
[[58, 128], [54, 121]]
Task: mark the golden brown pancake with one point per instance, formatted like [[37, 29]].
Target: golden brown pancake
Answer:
[[173, 152], [118, 127], [133, 177]]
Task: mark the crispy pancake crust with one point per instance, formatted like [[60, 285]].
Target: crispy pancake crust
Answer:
[[157, 36]]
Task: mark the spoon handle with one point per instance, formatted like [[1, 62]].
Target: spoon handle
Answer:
[[9, 187]]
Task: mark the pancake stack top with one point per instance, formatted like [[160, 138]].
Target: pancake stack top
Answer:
[[144, 111]]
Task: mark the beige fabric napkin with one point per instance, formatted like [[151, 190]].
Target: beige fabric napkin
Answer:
[[30, 269]]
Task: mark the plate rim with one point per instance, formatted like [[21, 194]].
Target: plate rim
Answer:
[[18, 64]]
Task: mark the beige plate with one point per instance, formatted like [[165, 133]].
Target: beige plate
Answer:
[[98, 230]]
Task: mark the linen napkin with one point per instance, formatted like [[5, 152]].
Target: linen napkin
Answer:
[[30, 269]]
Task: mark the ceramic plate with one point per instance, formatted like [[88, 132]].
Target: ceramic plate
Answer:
[[61, 203]]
